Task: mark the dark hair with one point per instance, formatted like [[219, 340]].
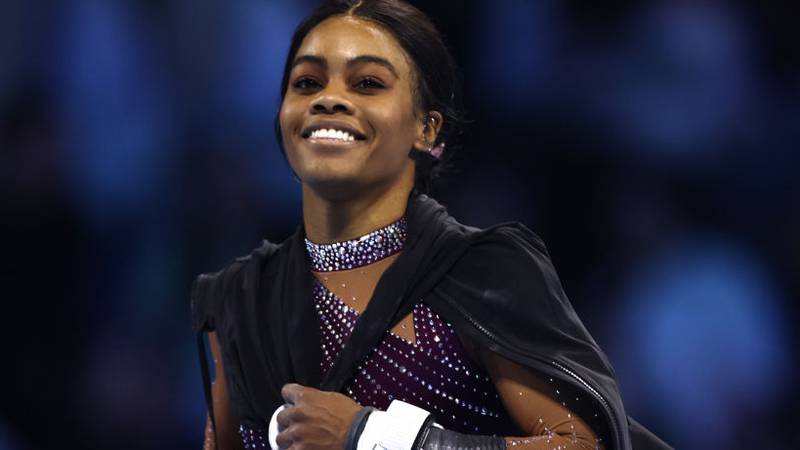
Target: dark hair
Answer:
[[436, 76]]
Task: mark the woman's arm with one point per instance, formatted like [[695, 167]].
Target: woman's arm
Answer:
[[323, 419], [536, 408], [227, 427]]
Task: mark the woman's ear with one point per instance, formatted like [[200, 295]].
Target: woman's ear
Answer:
[[428, 131]]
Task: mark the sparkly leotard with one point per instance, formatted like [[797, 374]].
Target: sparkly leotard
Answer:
[[434, 373]]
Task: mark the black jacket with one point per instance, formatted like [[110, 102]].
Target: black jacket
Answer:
[[497, 286]]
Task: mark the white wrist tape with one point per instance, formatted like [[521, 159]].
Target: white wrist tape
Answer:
[[272, 432], [394, 429]]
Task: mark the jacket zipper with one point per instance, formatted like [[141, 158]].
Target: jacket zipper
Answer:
[[560, 367], [596, 394]]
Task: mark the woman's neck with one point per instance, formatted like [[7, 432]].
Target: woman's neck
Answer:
[[328, 221]]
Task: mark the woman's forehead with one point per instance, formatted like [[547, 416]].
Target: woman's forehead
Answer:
[[344, 38]]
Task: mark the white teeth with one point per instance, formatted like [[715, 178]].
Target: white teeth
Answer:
[[330, 133]]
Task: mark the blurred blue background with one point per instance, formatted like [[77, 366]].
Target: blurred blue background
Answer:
[[653, 146]]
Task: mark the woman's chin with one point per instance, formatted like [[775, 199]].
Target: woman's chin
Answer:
[[334, 185]]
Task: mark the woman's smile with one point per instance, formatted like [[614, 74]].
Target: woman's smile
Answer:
[[332, 135]]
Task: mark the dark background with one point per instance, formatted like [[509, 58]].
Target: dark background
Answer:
[[653, 147]]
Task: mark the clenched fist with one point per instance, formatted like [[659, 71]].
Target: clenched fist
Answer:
[[314, 419]]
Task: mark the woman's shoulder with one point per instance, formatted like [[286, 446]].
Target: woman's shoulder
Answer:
[[507, 241], [261, 255], [510, 258], [210, 288]]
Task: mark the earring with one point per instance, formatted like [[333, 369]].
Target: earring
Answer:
[[436, 151]]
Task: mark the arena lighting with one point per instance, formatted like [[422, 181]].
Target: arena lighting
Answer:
[[701, 322]]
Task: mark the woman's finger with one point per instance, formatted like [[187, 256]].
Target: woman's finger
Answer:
[[290, 415], [285, 438], [284, 418], [293, 393]]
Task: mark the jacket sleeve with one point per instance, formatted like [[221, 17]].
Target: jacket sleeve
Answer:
[[203, 305], [505, 294], [207, 299]]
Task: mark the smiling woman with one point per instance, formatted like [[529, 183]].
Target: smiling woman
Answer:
[[392, 57], [383, 321], [350, 76]]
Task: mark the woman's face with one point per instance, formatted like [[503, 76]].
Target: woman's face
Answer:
[[348, 117]]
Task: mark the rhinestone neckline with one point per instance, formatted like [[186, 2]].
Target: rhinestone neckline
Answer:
[[360, 251]]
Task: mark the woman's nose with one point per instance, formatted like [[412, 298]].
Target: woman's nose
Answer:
[[330, 103]]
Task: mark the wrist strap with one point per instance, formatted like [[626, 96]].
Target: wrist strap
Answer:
[[357, 427], [423, 432], [397, 428], [272, 428]]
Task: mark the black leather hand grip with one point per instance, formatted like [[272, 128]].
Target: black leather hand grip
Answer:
[[438, 439]]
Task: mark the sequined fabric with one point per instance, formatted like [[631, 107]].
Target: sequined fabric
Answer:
[[253, 438], [433, 373], [358, 252]]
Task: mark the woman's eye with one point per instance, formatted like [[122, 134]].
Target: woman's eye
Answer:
[[305, 83], [369, 83]]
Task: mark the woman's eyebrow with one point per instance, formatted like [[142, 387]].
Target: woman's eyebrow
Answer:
[[311, 59], [362, 59]]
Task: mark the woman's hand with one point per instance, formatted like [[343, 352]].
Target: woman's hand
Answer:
[[316, 419]]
